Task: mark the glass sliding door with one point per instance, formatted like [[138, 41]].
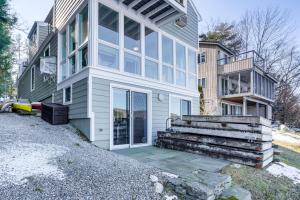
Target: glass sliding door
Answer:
[[139, 118], [121, 117], [130, 118]]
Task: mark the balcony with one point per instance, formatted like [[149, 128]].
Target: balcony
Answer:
[[158, 11], [241, 62]]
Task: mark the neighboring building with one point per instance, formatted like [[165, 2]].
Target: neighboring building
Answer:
[[234, 84], [123, 67]]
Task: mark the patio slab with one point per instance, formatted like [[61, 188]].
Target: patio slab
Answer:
[[174, 161]]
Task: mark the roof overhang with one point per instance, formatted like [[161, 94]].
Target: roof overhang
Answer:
[[158, 11]]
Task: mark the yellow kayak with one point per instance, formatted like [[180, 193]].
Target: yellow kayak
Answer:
[[22, 106]]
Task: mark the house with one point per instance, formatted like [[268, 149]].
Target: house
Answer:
[[234, 84], [122, 66]]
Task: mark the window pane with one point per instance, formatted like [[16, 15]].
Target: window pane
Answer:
[[83, 57], [185, 107], [168, 74], [167, 50], [175, 107], [84, 17], [132, 64], [180, 78], [72, 65], [108, 57], [132, 31], [72, 37], [64, 45], [151, 69], [192, 62], [193, 82], [151, 43], [47, 52], [108, 29], [68, 94], [180, 57]]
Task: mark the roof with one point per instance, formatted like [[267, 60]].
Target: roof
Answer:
[[216, 43]]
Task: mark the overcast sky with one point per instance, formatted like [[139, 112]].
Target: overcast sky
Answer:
[[229, 10]]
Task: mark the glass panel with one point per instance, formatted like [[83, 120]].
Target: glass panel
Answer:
[[175, 107], [180, 57], [167, 50], [245, 82], [132, 64], [83, 57], [224, 86], [83, 25], [64, 45], [185, 107], [233, 84], [140, 118], [121, 116], [180, 78], [47, 52], [108, 57], [224, 109], [151, 69], [132, 32], [72, 64], [151, 43], [168, 74], [72, 37], [193, 82], [108, 29], [68, 94], [192, 62]]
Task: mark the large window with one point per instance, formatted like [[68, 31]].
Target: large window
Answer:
[[151, 53], [132, 32], [231, 110], [108, 56], [167, 58], [264, 86], [108, 29], [179, 107], [74, 45], [132, 64], [192, 68], [180, 65]]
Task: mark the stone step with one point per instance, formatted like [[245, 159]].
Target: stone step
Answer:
[[260, 129], [220, 141], [236, 192], [244, 135], [229, 119]]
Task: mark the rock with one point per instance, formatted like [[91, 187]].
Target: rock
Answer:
[[237, 166], [159, 188], [171, 197], [169, 175], [153, 179]]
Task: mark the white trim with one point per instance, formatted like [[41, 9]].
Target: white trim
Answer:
[[149, 117], [32, 87], [71, 95]]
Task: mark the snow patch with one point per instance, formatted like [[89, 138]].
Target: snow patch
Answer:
[[285, 138], [18, 161], [169, 175], [282, 169]]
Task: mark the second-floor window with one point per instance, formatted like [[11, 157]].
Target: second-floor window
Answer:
[[47, 51], [202, 58], [74, 45], [180, 65], [168, 60]]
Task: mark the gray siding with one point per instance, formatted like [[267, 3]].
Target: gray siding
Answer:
[[43, 33], [43, 89], [83, 125], [188, 34], [101, 107], [78, 109]]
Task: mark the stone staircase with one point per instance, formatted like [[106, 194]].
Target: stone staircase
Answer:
[[243, 140]]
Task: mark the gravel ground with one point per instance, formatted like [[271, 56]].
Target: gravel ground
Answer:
[[40, 161]]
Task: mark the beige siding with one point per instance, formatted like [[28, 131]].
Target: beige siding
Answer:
[[64, 10], [236, 66], [208, 70]]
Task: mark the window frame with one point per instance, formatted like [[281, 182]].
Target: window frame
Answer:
[[71, 95], [47, 48], [181, 98], [32, 78]]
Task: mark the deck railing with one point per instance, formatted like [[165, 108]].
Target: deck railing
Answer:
[[258, 61]]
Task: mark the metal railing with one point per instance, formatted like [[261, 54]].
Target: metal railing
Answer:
[[258, 61]]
